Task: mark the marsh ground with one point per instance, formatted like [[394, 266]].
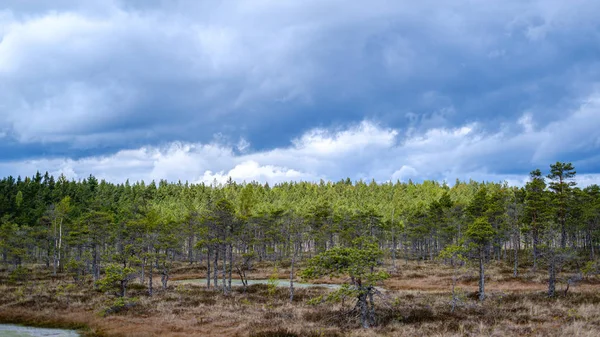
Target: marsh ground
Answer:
[[415, 303]]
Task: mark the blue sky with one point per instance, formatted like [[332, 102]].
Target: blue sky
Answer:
[[275, 90]]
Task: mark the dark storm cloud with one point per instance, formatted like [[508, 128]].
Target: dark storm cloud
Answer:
[[88, 79]]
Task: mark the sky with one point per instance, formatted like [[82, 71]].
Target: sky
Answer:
[[272, 91]]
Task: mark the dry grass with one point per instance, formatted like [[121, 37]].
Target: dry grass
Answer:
[[416, 303]]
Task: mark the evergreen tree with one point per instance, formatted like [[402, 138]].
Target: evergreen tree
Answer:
[[480, 232], [536, 209], [561, 176]]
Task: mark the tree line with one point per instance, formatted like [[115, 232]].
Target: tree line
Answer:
[[91, 228]]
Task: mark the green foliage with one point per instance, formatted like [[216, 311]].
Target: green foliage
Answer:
[[357, 262], [75, 268], [19, 199], [119, 304], [316, 300], [272, 283], [63, 290], [347, 226], [115, 279], [14, 242], [18, 275], [455, 252], [480, 231], [591, 268]]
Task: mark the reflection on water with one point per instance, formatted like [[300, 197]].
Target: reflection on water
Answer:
[[9, 330]]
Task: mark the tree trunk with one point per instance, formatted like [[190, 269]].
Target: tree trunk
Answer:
[[216, 267], [54, 257], [292, 274], [394, 245], [123, 288], [563, 230], [516, 266], [208, 268], [190, 250], [516, 252], [364, 310], [393, 242], [551, 275], [230, 266], [592, 252], [535, 238], [371, 306], [164, 278], [224, 267], [49, 245], [405, 248], [59, 241], [454, 297], [481, 273], [143, 274], [95, 265], [150, 276]]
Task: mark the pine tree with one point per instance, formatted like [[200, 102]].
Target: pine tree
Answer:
[[358, 262], [536, 209], [562, 175], [480, 232]]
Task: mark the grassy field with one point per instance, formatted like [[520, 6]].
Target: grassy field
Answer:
[[415, 302]]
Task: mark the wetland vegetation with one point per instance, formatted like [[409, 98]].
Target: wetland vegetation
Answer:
[[302, 259]]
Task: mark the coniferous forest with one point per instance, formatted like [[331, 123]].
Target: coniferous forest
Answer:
[[298, 168], [394, 257]]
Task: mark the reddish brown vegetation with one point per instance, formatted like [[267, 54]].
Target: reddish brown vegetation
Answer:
[[414, 304]]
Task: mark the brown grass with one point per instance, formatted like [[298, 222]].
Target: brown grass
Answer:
[[415, 303]]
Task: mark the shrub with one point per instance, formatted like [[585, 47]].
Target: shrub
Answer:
[[119, 304], [19, 274]]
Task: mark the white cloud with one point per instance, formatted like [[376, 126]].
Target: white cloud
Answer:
[[405, 173], [321, 142], [587, 179], [111, 61], [366, 150], [243, 145], [76, 73], [526, 121], [252, 171], [579, 131], [95, 74]]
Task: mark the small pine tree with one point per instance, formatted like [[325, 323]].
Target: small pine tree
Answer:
[[479, 233], [358, 262]]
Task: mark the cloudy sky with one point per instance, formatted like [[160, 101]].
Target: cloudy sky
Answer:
[[273, 90]]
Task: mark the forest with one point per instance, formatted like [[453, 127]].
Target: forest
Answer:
[[402, 258]]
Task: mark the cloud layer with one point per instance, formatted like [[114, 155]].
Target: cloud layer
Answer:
[[290, 90], [362, 151]]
